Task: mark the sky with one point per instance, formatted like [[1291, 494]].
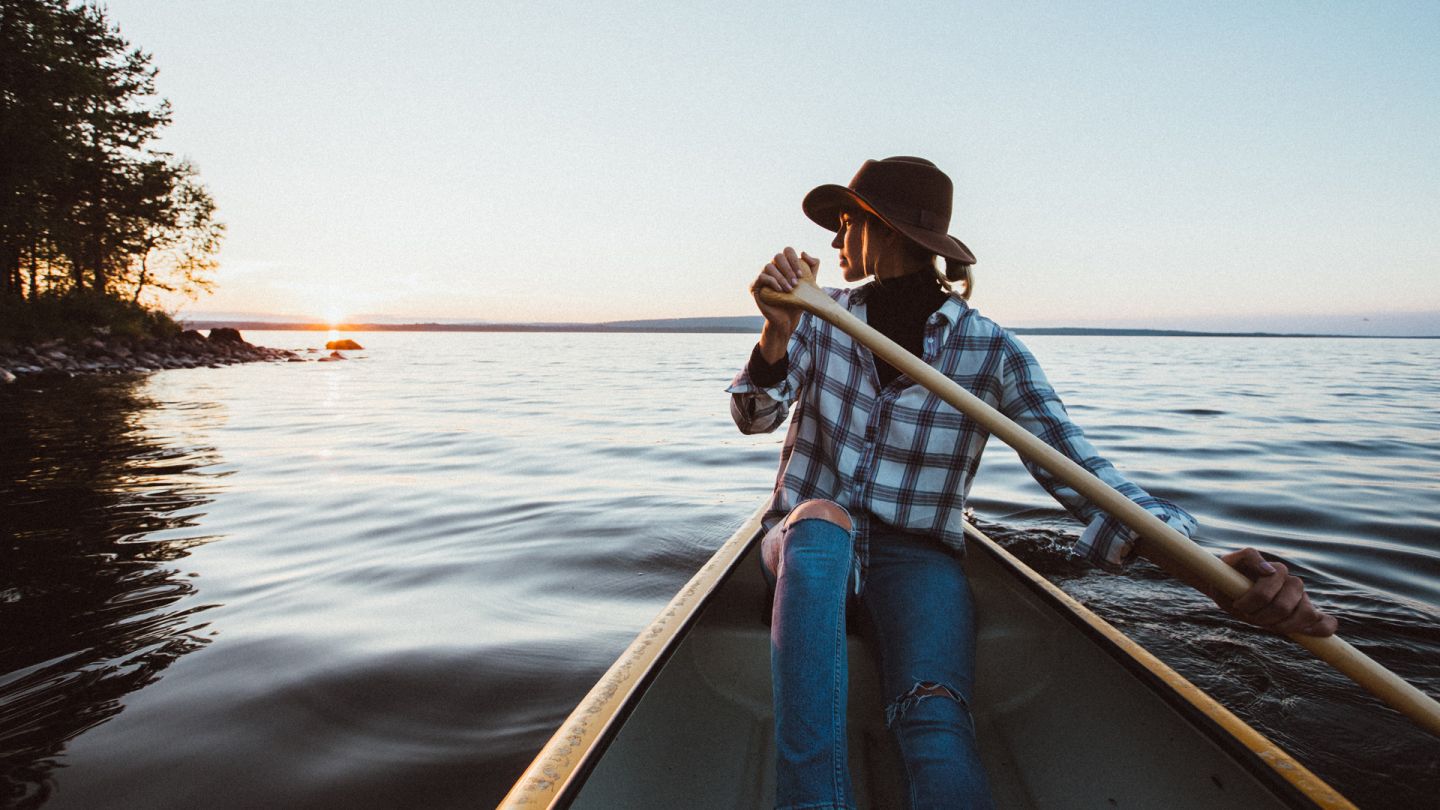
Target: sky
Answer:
[[1170, 165]]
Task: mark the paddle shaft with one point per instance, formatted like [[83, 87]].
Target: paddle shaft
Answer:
[[1156, 538]]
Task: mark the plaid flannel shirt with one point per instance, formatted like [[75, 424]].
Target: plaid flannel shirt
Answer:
[[900, 453]]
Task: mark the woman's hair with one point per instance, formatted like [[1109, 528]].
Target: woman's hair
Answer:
[[955, 272], [961, 273]]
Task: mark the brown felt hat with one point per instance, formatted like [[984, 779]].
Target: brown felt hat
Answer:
[[909, 194]]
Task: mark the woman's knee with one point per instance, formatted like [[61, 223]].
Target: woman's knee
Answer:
[[821, 509], [776, 545]]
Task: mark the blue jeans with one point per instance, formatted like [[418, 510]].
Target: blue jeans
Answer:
[[915, 604]]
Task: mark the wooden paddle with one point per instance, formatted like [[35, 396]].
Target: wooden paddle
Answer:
[[1158, 541]]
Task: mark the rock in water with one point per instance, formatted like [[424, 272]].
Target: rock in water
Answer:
[[225, 334], [347, 344]]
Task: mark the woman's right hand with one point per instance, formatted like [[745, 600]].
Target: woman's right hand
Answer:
[[781, 274], [1276, 600]]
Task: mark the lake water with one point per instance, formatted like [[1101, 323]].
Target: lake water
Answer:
[[384, 582]]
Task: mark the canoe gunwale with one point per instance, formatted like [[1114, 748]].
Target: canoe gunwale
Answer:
[[1263, 759], [562, 765]]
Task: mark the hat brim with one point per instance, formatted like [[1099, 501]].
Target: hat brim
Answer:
[[824, 205]]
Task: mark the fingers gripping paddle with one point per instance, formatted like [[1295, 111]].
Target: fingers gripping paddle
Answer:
[[1157, 540]]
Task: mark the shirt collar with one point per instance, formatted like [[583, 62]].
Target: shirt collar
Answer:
[[953, 309]]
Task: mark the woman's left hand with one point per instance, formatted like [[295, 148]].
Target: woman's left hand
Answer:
[[1277, 600]]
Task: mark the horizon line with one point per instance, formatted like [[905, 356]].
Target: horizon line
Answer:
[[713, 325]]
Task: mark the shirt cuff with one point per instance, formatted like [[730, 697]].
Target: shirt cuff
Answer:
[[764, 374], [1109, 543]]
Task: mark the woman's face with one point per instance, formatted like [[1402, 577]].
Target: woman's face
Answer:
[[857, 253]]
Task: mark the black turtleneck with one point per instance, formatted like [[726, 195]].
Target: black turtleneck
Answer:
[[897, 308]]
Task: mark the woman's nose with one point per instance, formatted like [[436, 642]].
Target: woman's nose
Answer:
[[837, 242]]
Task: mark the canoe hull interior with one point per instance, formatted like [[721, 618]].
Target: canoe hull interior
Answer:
[[1063, 721]]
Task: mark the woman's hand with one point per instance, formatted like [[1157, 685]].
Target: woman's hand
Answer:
[[1277, 601], [781, 274]]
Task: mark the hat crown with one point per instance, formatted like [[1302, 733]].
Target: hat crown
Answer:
[[907, 189]]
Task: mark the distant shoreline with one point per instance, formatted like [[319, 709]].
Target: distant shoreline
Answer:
[[740, 325]]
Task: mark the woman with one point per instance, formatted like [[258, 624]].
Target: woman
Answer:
[[868, 506]]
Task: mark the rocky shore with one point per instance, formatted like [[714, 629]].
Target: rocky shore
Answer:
[[104, 354]]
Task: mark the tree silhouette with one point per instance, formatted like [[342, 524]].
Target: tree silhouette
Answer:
[[87, 203]]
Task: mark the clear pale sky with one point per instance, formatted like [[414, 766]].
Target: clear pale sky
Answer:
[[1152, 164]]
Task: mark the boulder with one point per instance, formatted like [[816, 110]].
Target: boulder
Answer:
[[347, 345], [225, 334]]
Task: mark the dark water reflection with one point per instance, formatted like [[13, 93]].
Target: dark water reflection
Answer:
[[89, 597]]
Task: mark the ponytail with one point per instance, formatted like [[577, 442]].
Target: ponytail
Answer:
[[957, 272]]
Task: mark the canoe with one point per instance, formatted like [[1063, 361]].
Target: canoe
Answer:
[[1069, 712]]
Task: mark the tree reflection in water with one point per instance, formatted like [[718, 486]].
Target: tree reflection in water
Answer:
[[90, 505]]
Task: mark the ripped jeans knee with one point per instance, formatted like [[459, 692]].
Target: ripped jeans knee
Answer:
[[922, 690]]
